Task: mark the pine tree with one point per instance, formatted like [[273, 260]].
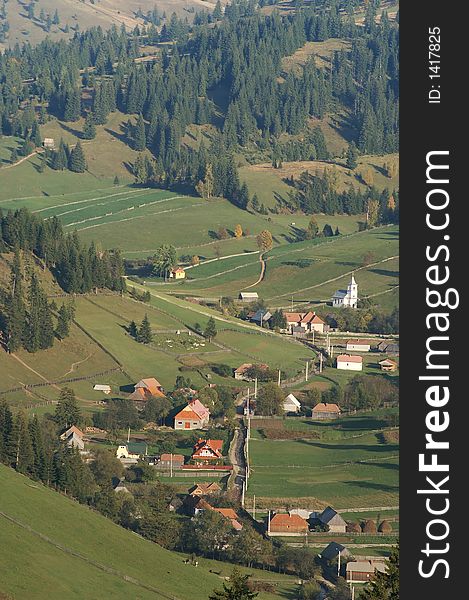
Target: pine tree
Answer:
[[72, 107], [77, 161], [24, 460], [16, 311], [38, 469], [210, 330], [67, 412], [352, 154], [89, 127], [385, 586], [139, 136], [63, 323], [133, 330], [59, 159], [145, 334]]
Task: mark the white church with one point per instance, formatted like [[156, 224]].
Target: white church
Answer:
[[348, 297]]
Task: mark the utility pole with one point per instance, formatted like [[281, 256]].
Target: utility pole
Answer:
[[128, 436], [292, 303], [171, 465], [268, 523], [254, 507], [307, 367], [338, 565], [320, 362], [255, 387], [279, 376]]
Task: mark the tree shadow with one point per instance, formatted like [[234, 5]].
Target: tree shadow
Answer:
[[68, 129], [122, 137], [385, 272]]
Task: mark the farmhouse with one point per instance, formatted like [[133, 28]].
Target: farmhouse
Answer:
[[333, 520], [171, 461], [291, 404], [230, 514], [119, 486], [241, 372], [49, 143], [304, 323], [388, 365], [333, 549], [388, 348], [349, 362], [261, 316], [194, 505], [106, 389], [70, 431], [324, 410], [177, 273], [193, 416], [132, 450], [363, 570], [358, 346], [75, 441], [205, 489], [146, 389], [346, 298], [248, 296], [208, 452], [282, 524]]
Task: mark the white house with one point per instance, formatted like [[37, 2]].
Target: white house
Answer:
[[349, 362], [348, 297], [291, 404], [358, 346]]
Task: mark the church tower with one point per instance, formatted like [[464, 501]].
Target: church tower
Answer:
[[352, 294]]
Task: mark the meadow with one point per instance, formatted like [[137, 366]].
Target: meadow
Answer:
[[57, 538], [350, 470]]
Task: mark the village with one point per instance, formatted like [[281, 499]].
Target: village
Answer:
[[212, 474]]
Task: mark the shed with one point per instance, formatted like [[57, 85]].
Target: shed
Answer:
[[98, 387], [248, 296]]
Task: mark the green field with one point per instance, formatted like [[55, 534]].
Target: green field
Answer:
[[350, 470], [58, 548]]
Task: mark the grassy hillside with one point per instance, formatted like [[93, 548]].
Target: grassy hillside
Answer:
[[58, 548], [86, 14]]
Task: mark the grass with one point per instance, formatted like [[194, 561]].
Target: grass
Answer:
[[346, 468], [59, 548], [268, 183]]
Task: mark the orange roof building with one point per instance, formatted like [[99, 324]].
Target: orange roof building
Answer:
[[146, 389], [230, 514], [208, 452], [284, 524], [193, 416]]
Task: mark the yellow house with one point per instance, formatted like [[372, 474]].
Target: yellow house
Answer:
[[178, 273]]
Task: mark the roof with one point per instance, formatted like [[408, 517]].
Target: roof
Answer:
[[329, 514], [243, 368], [194, 410], [261, 315], [101, 388], [229, 513], [287, 520], [388, 361], [214, 445], [359, 342], [206, 487], [340, 294], [290, 399], [177, 270], [365, 566], [178, 458], [151, 384], [293, 317], [249, 295], [71, 430], [349, 358], [311, 317], [326, 407], [333, 549]]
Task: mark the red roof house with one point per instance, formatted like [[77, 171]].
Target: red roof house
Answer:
[[146, 389], [208, 452], [284, 524], [193, 416]]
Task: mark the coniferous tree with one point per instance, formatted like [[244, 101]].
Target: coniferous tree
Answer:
[[67, 412], [72, 108], [210, 330], [59, 158], [63, 323], [139, 137], [15, 307], [145, 335], [89, 127], [77, 161]]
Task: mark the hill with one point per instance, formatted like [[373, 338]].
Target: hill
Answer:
[[86, 14], [58, 548]]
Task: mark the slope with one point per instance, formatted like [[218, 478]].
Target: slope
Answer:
[[58, 548]]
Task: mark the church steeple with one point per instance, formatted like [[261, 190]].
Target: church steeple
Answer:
[[352, 292]]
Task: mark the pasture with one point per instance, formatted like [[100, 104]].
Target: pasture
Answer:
[[56, 538], [350, 470]]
